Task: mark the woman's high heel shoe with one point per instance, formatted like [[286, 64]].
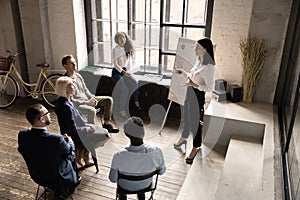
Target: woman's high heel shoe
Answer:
[[189, 160], [178, 146]]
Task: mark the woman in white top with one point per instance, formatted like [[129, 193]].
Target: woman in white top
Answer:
[[200, 80], [126, 83]]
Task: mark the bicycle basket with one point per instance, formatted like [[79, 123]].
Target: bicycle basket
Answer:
[[5, 63]]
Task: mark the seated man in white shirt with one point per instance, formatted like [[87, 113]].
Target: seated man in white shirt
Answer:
[[136, 159]]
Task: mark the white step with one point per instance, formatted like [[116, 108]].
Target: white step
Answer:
[[242, 171], [203, 177]]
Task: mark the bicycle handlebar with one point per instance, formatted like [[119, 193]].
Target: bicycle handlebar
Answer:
[[13, 56]]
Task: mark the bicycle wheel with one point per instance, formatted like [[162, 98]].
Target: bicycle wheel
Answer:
[[48, 89], [9, 90]]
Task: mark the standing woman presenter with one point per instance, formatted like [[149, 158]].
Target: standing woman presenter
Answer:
[[200, 79]]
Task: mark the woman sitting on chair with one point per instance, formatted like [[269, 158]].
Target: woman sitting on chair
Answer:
[[125, 81], [87, 137]]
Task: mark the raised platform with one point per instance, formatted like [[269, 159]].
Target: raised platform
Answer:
[[222, 120], [241, 175]]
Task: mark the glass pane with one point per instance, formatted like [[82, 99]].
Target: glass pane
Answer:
[[102, 54], [116, 27], [150, 63], [152, 14], [170, 38], [153, 11], [102, 9], [193, 33], [103, 31], [168, 64], [138, 59], [152, 39], [138, 35], [146, 35], [152, 60], [138, 11], [294, 150], [119, 9], [173, 11], [196, 16]]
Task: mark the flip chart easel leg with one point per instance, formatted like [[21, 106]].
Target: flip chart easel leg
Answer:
[[165, 118]]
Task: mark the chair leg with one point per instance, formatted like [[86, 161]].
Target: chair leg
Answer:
[[94, 156], [37, 193], [151, 197], [44, 194]]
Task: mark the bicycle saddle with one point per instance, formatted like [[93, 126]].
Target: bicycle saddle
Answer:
[[44, 65]]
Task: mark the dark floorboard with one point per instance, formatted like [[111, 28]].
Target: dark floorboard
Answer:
[[16, 183]]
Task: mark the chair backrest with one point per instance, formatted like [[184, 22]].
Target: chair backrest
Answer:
[[137, 178], [36, 177], [151, 188]]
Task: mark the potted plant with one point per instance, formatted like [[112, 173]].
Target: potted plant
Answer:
[[254, 53]]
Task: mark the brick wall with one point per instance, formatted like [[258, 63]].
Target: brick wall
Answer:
[[233, 19]]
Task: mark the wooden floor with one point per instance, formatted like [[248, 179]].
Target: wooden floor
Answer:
[[16, 183]]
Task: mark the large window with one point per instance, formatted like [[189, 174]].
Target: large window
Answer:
[[155, 27]]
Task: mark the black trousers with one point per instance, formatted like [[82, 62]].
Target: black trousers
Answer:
[[193, 112]]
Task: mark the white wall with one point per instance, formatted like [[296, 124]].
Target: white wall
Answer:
[[66, 31], [49, 32], [61, 28], [234, 19], [269, 20], [80, 34], [7, 33], [7, 37], [33, 38], [231, 20]]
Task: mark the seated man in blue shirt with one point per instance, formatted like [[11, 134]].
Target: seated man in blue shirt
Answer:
[[136, 159], [49, 156]]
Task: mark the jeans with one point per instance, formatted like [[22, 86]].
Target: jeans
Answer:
[[126, 86]]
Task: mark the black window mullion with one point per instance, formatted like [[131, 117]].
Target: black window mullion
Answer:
[[130, 14], [110, 28], [208, 19], [183, 18], [161, 26]]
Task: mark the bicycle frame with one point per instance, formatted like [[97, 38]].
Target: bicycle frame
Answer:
[[35, 92]]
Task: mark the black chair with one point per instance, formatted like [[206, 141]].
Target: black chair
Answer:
[[151, 188], [47, 186], [44, 193], [50, 191]]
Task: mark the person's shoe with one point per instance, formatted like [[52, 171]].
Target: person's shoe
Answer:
[[124, 114], [80, 162], [178, 146], [78, 181], [87, 157], [189, 160], [110, 128]]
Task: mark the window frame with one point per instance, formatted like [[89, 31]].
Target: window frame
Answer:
[[131, 23]]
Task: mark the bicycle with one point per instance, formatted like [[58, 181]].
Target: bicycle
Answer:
[[10, 87]]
